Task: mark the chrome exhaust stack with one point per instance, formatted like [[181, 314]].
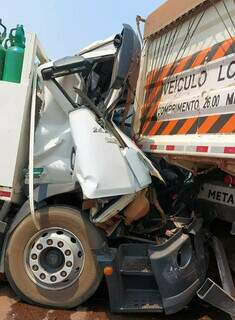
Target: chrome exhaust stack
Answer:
[[217, 297]]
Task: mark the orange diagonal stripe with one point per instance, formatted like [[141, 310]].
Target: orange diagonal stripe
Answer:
[[158, 125], [151, 112], [181, 65], [169, 127], [187, 126], [156, 90], [200, 57], [208, 123], [150, 76], [160, 77], [229, 126], [222, 49]]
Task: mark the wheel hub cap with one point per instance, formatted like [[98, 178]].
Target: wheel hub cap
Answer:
[[54, 258]]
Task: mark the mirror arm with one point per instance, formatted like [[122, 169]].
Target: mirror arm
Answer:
[[88, 101]]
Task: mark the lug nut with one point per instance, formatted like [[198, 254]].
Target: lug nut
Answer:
[[53, 278], [60, 244], [49, 242], [35, 267], [63, 273], [42, 276], [69, 264], [67, 252], [34, 256], [39, 246]]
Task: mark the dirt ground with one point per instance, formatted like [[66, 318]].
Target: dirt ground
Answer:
[[96, 309]]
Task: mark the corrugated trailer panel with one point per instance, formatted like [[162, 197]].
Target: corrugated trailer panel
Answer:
[[186, 95]]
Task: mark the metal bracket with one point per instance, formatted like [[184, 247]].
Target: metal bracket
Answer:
[[222, 298]]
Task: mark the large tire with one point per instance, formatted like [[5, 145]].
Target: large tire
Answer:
[[90, 277]]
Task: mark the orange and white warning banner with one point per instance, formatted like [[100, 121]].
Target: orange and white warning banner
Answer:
[[194, 95], [205, 90]]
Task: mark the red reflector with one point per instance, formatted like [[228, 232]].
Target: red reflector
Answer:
[[170, 148], [5, 194], [229, 180], [202, 149], [229, 150], [153, 147]]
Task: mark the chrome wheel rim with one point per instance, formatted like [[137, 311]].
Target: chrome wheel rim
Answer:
[[54, 258]]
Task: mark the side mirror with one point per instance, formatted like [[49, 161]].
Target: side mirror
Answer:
[[129, 48], [66, 66]]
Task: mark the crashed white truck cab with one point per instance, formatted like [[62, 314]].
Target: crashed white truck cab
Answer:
[[88, 203]]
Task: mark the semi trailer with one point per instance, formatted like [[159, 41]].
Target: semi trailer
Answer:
[[108, 169]]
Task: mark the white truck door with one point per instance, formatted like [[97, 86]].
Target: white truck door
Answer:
[[101, 166]]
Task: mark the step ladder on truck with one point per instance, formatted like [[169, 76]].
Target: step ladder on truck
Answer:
[[82, 201]]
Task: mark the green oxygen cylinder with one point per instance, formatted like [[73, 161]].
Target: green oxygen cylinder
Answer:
[[14, 55], [2, 49]]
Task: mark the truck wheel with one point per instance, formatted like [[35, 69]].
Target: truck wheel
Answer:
[[54, 266]]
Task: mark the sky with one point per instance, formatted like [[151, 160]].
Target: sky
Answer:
[[65, 26]]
